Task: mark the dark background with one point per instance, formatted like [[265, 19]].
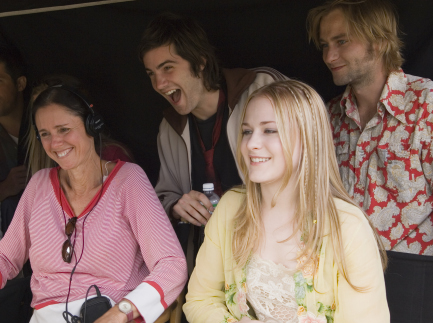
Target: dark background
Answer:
[[99, 45]]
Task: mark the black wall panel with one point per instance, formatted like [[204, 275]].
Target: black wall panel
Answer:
[[99, 45]]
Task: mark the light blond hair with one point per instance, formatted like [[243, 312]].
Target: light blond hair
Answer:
[[318, 178], [373, 21]]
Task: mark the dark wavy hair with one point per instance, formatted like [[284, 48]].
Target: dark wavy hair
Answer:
[[190, 42]]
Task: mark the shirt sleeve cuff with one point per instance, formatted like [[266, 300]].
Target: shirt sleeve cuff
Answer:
[[148, 298]]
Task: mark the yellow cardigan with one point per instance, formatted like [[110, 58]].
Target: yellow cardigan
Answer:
[[217, 289]]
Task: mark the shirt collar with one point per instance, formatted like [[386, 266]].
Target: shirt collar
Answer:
[[396, 85], [393, 95]]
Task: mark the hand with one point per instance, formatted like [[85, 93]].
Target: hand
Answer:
[[189, 208], [113, 315], [14, 183]]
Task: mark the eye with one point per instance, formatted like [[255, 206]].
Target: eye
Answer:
[[150, 73], [64, 130], [246, 132], [341, 42], [323, 46], [270, 131], [43, 134], [167, 67]]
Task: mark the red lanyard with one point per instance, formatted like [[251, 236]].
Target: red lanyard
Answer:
[[209, 154]]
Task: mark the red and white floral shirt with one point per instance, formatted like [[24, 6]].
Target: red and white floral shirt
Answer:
[[387, 167]]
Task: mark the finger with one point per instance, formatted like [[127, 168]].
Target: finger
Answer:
[[183, 215], [195, 215], [204, 203], [187, 209], [201, 209], [194, 199]]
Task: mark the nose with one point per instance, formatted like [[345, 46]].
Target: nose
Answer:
[[330, 54], [160, 82], [254, 141], [55, 141]]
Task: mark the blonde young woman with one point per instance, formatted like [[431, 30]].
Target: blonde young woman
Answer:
[[291, 246]]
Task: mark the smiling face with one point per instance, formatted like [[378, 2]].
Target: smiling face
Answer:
[[171, 76], [350, 60], [261, 145], [64, 136]]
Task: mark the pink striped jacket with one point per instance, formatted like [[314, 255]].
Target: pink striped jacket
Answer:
[[130, 248]]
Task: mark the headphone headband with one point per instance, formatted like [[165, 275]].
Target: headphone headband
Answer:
[[76, 93]]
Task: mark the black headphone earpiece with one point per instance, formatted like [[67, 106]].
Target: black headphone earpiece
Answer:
[[94, 123], [38, 136]]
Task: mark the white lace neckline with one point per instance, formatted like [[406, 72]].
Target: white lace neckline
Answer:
[[280, 266], [271, 291]]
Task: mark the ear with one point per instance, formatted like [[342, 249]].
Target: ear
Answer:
[[203, 64], [380, 46], [21, 83]]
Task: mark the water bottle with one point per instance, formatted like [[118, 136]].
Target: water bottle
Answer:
[[214, 199], [208, 191]]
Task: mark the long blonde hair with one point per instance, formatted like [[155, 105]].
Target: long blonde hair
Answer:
[[318, 177]]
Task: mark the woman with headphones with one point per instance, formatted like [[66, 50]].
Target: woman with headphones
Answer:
[[90, 222], [36, 156]]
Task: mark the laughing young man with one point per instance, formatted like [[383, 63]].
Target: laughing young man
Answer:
[[382, 127], [197, 137]]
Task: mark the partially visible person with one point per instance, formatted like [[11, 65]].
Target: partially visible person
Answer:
[[36, 156], [12, 129], [382, 130], [197, 137], [88, 222], [291, 246]]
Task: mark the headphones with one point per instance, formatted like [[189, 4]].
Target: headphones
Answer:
[[93, 123]]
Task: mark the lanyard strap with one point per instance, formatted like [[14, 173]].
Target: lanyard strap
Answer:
[[209, 154]]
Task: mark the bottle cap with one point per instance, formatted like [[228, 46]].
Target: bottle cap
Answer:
[[208, 187]]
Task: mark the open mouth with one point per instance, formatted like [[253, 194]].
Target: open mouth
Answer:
[[174, 95], [259, 159], [63, 153]]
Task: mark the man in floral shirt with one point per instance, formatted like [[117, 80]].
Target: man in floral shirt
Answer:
[[382, 128]]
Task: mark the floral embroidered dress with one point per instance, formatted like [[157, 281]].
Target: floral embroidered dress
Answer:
[[271, 291], [218, 289]]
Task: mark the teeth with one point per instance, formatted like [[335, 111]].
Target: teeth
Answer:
[[170, 92], [63, 153], [259, 160]]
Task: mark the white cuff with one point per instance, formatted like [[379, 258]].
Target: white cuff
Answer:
[[148, 298]]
